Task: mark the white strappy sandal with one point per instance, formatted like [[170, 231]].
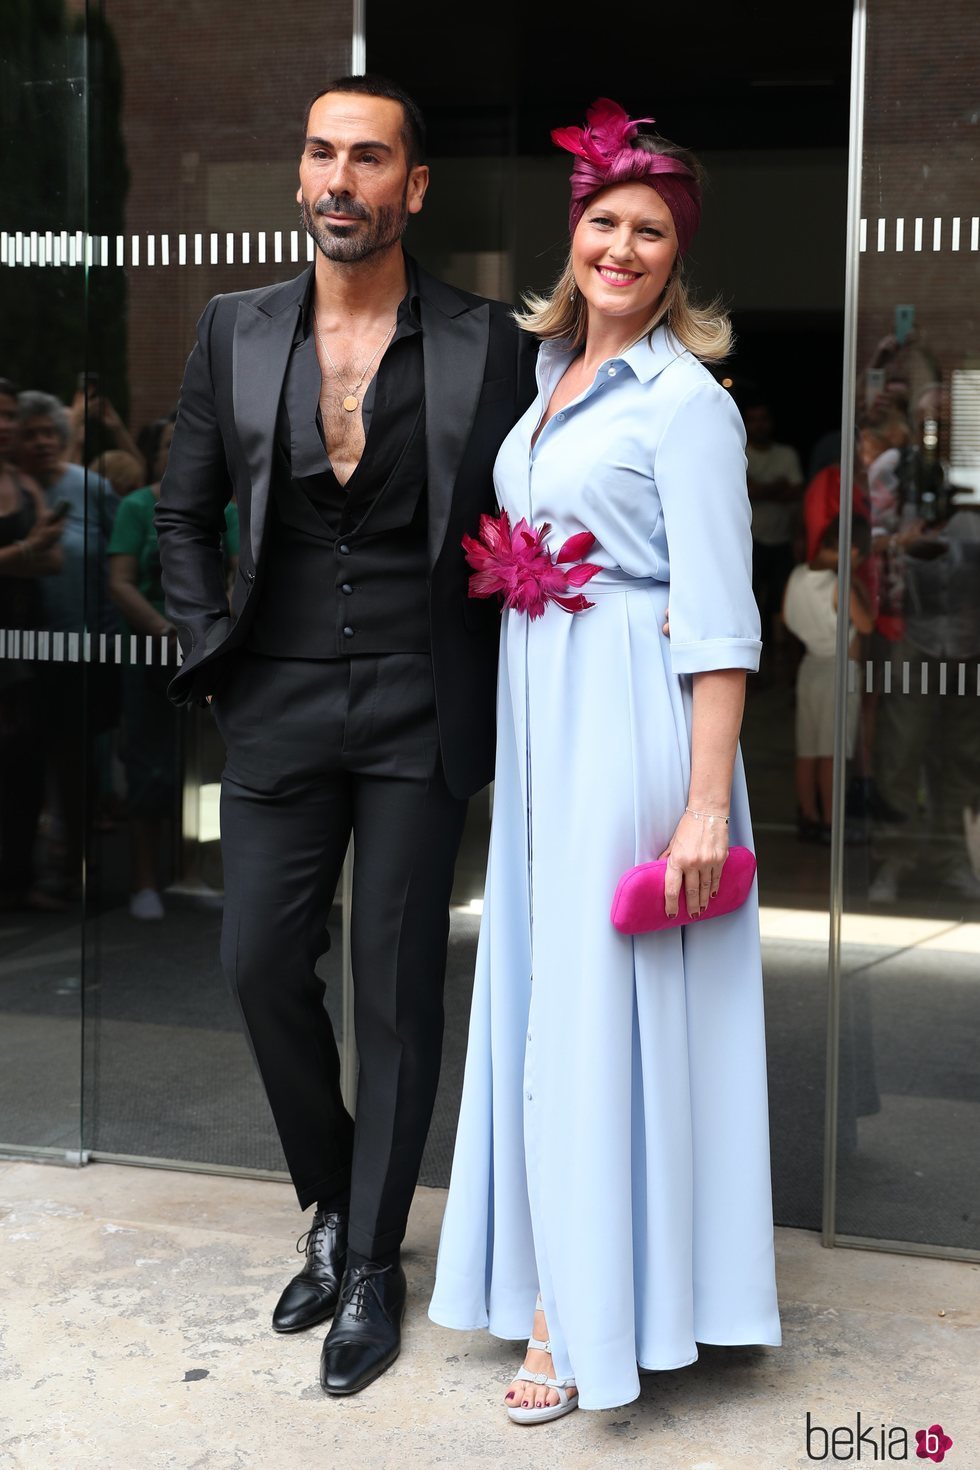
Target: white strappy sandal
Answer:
[[565, 1403]]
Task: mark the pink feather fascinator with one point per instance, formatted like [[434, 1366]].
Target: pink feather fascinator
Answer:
[[605, 154]]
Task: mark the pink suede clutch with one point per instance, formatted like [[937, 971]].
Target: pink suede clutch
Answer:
[[638, 903]]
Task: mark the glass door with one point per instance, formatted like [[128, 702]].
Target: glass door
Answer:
[[907, 975], [772, 132], [156, 167], [47, 599]]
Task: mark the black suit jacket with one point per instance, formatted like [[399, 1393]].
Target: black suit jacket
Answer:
[[479, 379]]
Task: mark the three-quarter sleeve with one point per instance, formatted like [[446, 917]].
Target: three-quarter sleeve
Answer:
[[699, 469]]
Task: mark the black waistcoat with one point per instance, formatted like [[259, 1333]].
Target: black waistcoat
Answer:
[[345, 567]]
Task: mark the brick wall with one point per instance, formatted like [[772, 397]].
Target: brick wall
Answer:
[[213, 100]]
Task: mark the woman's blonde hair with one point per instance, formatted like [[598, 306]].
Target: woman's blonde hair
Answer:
[[704, 330]]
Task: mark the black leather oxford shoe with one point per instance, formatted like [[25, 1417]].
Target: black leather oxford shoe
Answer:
[[365, 1337], [311, 1296]]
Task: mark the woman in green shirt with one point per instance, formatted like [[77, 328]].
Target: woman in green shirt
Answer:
[[149, 751]]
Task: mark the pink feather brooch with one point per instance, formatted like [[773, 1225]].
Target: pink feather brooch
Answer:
[[517, 566], [608, 132]]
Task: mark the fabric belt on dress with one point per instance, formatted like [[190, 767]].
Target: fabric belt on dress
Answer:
[[614, 579]]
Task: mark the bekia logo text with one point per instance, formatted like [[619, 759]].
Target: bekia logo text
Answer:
[[871, 1443]]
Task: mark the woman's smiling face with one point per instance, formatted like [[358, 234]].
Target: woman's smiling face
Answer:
[[622, 252]]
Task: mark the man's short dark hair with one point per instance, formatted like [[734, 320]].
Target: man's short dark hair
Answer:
[[373, 85]]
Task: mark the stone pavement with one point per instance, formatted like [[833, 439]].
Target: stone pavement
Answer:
[[135, 1336]]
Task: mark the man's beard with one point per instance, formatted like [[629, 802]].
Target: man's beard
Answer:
[[385, 228]]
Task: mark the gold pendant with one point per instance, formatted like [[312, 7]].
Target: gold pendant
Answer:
[[350, 403]]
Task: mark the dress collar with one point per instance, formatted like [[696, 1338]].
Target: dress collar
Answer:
[[651, 354], [645, 358]]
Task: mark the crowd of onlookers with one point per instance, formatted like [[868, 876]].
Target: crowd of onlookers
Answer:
[[78, 551], [910, 731]]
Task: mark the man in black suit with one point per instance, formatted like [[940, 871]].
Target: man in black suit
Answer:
[[355, 413]]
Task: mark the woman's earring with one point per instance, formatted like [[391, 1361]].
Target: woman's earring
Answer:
[[571, 297]]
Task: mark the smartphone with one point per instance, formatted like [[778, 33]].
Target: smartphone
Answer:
[[60, 510], [904, 322], [88, 382], [874, 383]]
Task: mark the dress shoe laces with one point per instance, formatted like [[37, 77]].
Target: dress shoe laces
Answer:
[[354, 1290], [310, 1239]]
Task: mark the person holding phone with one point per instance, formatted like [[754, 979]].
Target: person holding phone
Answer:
[[86, 505], [89, 410], [901, 366]]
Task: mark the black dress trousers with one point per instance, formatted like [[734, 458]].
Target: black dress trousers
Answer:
[[318, 750]]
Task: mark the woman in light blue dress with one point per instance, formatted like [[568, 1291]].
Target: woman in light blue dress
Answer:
[[610, 1189]]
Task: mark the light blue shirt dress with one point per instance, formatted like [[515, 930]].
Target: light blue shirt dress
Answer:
[[613, 1141]]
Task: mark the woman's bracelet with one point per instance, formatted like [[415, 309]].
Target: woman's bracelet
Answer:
[[710, 817]]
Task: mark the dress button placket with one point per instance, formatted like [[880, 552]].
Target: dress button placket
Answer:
[[530, 1142]]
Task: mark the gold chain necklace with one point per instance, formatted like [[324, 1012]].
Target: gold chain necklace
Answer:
[[351, 401]]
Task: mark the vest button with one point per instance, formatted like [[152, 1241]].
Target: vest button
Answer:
[[346, 589], [344, 549], [348, 632]]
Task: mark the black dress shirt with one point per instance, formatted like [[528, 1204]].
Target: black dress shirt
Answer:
[[346, 567]]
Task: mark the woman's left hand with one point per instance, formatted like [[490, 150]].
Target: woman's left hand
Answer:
[[695, 857]]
